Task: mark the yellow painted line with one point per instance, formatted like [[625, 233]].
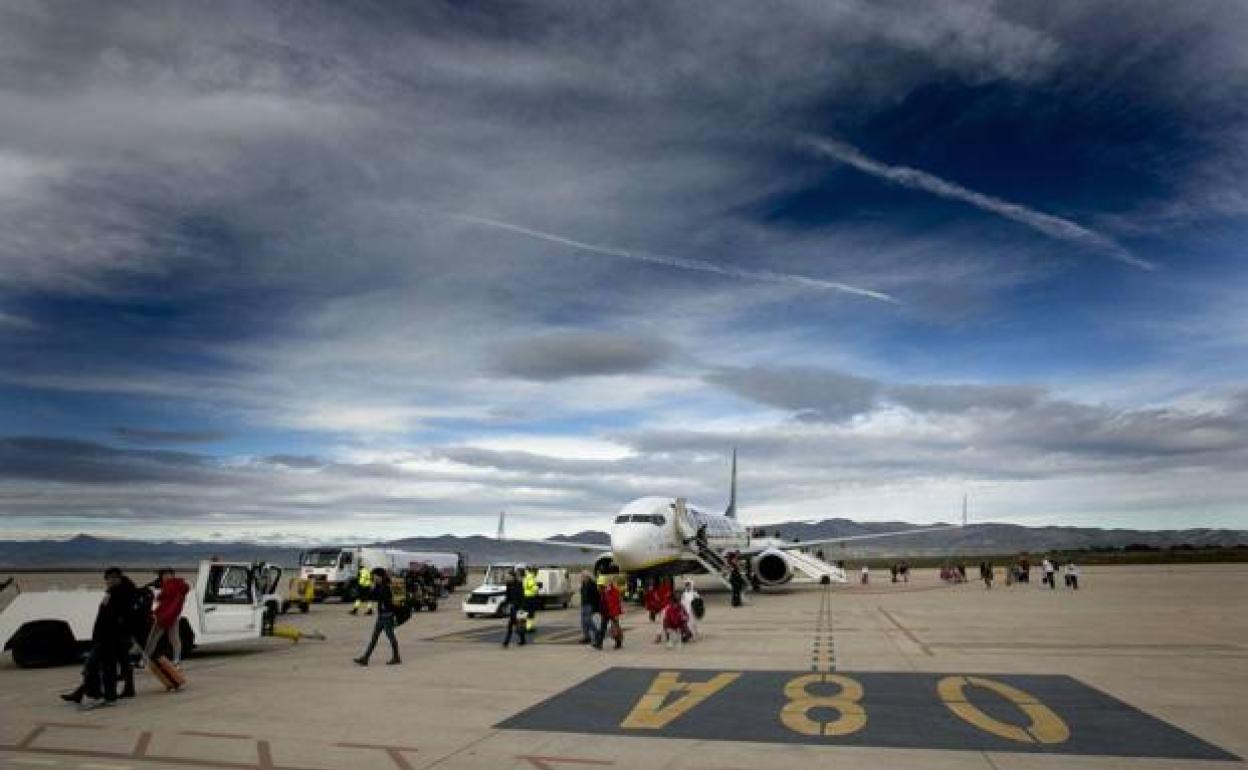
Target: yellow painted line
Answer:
[[33, 761], [102, 766]]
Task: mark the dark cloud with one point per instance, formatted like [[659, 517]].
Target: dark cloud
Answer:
[[813, 394], [962, 398], [153, 436], [303, 462], [580, 354], [84, 462]]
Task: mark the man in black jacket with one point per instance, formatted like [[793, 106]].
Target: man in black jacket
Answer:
[[384, 597], [591, 604], [515, 602], [111, 638]]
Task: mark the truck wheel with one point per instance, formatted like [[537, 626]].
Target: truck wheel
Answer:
[[433, 606], [43, 644], [303, 607]]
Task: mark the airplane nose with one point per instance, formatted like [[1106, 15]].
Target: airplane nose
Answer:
[[625, 545]]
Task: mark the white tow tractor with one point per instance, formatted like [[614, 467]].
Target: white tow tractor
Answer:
[[490, 598], [231, 601]]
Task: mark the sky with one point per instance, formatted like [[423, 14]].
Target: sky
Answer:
[[312, 271]]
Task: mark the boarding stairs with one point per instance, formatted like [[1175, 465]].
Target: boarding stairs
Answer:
[[708, 557], [814, 568]]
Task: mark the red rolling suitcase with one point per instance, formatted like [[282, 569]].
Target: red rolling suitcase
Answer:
[[166, 673]]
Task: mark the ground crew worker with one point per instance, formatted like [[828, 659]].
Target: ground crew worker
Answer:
[[364, 592], [530, 599]]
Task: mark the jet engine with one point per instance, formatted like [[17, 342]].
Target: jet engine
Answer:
[[772, 567]]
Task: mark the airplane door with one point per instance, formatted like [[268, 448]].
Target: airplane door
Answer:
[[228, 608]]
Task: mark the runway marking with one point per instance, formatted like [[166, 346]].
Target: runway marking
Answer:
[[34, 761], [102, 766], [394, 752], [979, 712], [823, 650], [569, 635], [264, 754], [908, 633], [543, 763]]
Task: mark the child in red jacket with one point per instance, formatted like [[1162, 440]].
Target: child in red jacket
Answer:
[[675, 623]]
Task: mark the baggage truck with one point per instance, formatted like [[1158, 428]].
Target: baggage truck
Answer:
[[230, 602]]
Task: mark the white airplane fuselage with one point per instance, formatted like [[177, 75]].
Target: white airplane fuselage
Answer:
[[646, 537]]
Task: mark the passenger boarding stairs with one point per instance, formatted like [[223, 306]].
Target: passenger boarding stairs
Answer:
[[708, 557], [814, 568]]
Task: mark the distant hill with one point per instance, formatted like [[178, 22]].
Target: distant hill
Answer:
[[88, 551]]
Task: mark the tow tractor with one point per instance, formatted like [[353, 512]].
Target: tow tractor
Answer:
[[231, 602]]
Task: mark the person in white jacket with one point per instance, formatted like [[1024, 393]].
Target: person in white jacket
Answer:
[[687, 597]]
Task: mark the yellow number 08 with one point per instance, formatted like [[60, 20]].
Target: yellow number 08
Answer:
[[852, 717]]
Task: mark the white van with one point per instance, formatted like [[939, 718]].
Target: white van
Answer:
[[231, 601], [490, 598]]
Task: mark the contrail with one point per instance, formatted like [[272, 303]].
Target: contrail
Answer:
[[678, 262], [1054, 227]]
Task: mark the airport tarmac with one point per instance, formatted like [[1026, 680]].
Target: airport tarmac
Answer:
[[1144, 667]]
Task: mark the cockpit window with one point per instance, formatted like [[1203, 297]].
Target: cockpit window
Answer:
[[621, 519], [658, 520]]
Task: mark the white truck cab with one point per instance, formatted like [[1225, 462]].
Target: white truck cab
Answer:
[[231, 601], [490, 598]]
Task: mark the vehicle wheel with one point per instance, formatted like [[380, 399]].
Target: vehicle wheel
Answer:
[[43, 644], [303, 607], [433, 606], [567, 604]]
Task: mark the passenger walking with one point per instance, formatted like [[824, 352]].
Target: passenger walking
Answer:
[[167, 615], [383, 597], [1072, 575], [515, 603], [1049, 569], [612, 609], [687, 599], [531, 589], [111, 638], [987, 572], [904, 569], [364, 591], [651, 600], [894, 569], [738, 585], [675, 624], [865, 575], [591, 604]]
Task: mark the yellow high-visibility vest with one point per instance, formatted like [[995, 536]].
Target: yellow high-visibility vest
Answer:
[[530, 585], [366, 578]]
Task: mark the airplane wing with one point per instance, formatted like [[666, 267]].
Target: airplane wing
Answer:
[[787, 545], [561, 543], [565, 544]]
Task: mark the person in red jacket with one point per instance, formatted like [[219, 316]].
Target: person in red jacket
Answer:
[[166, 615], [675, 623], [612, 604]]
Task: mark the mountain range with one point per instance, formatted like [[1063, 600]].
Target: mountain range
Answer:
[[88, 551]]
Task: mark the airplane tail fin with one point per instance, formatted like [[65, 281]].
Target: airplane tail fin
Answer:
[[732, 495], [501, 531]]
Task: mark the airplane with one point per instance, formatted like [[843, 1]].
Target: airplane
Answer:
[[655, 537]]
